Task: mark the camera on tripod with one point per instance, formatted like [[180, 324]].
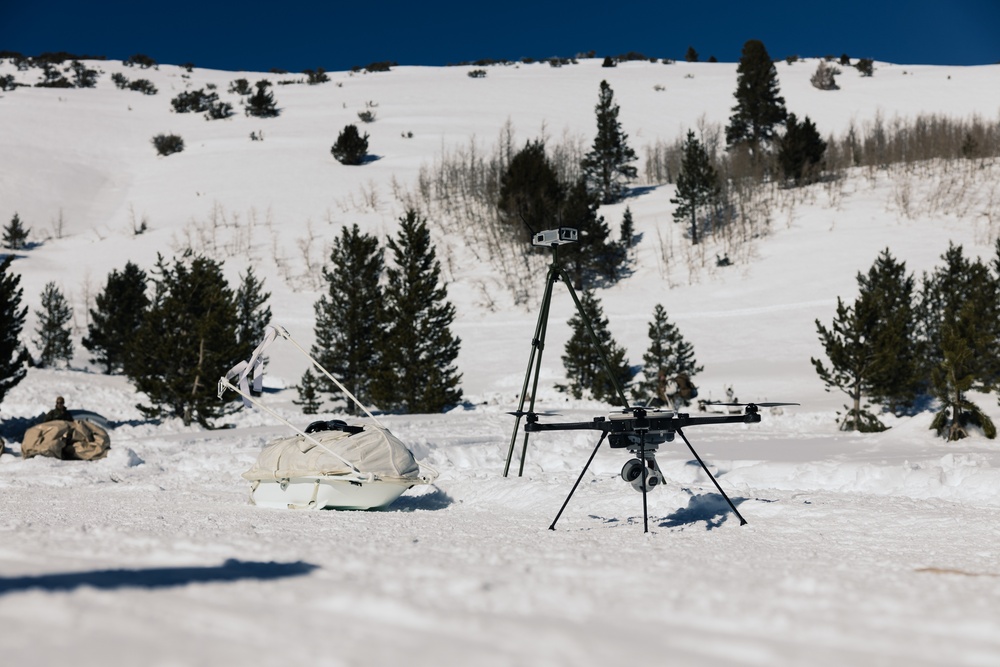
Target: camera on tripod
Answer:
[[554, 237]]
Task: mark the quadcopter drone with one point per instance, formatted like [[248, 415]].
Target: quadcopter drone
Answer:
[[641, 431]]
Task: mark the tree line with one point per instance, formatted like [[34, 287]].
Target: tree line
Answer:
[[383, 328], [903, 342]]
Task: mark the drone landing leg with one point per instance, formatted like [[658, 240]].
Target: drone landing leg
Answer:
[[743, 521], [578, 480], [645, 480]]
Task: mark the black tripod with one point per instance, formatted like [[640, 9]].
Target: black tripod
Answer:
[[553, 239]]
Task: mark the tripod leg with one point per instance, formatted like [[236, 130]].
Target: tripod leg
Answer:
[[578, 480], [743, 521], [534, 363]]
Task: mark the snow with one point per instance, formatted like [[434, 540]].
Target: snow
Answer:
[[876, 549]]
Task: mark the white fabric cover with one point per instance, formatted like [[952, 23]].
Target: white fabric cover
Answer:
[[373, 451]]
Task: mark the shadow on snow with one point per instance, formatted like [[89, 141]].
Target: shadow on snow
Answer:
[[152, 578]]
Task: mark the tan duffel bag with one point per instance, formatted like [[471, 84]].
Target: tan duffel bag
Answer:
[[72, 440]]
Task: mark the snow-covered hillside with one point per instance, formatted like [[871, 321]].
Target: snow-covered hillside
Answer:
[[875, 550]]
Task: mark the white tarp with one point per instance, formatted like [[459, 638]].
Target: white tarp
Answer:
[[372, 451]]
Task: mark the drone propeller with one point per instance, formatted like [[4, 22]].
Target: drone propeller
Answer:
[[528, 413], [759, 405]]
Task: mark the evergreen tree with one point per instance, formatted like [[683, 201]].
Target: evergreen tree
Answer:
[[530, 192], [117, 316], [759, 107], [691, 55], [960, 313], [607, 163], [252, 313], [801, 150], [261, 103], [851, 364], [15, 236], [594, 254], [186, 341], [13, 356], [416, 372], [585, 370], [349, 316], [886, 300], [668, 355], [626, 235], [309, 397], [697, 184], [350, 147], [54, 339], [872, 345]]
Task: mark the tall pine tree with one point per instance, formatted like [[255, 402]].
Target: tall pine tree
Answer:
[[606, 167], [759, 107], [115, 319], [349, 319], [416, 372], [252, 312], [871, 345], [54, 339], [960, 324], [585, 369], [668, 356], [14, 357], [595, 255], [697, 184], [886, 300], [186, 341]]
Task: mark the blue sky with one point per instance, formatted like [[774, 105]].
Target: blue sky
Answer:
[[294, 35]]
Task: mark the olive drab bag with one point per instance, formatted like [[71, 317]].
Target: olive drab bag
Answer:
[[79, 440]]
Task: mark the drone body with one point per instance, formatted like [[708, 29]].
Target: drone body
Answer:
[[641, 432]]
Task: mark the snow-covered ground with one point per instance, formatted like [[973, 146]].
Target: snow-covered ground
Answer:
[[879, 549]]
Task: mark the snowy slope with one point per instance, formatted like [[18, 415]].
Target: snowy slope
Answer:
[[871, 550]]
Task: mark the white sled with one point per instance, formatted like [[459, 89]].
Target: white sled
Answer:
[[329, 465]]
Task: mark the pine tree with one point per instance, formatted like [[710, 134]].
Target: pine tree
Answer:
[[350, 148], [851, 362], [252, 312], [309, 397], [54, 339], [872, 346], [607, 163], [349, 316], [530, 192], [117, 316], [668, 355], [13, 356], [800, 151], [416, 372], [15, 236], [186, 341], [585, 370], [697, 184], [261, 103], [626, 235], [960, 313], [759, 107], [886, 300], [594, 255], [691, 55]]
